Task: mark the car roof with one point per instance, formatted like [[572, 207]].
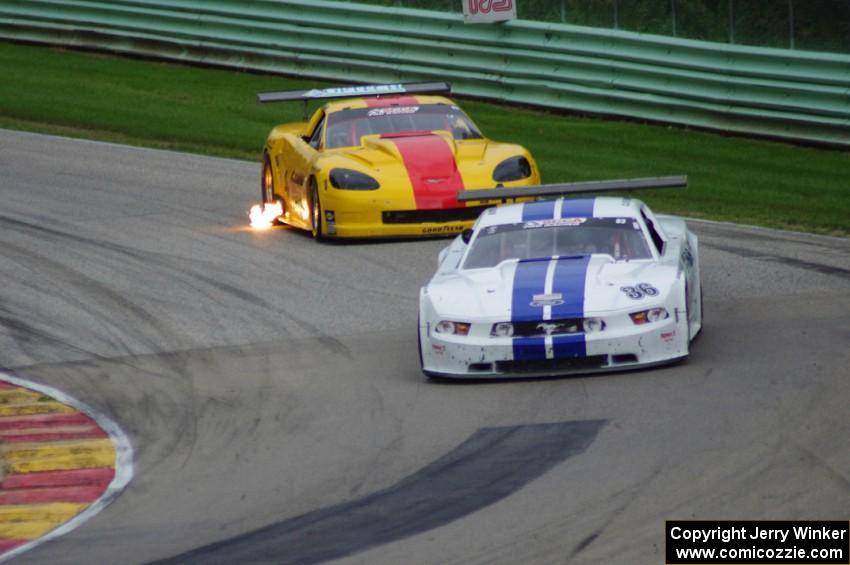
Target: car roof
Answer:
[[385, 101], [588, 207]]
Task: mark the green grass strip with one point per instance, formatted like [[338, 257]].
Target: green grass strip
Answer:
[[214, 112]]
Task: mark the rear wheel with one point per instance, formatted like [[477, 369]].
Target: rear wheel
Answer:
[[419, 344], [701, 312], [267, 193], [315, 211], [267, 182]]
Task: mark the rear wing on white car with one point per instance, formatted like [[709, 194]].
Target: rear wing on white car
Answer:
[[560, 189]]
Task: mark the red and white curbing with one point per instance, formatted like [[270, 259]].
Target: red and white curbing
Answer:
[[63, 460]]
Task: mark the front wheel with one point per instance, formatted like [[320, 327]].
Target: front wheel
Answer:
[[419, 344], [315, 211]]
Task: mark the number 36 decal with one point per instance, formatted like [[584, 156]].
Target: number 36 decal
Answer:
[[639, 291]]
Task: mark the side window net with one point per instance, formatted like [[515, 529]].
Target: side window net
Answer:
[[657, 240]]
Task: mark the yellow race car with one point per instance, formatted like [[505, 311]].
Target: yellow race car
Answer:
[[384, 161]]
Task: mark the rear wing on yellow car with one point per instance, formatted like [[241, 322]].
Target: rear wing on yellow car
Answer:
[[355, 91]]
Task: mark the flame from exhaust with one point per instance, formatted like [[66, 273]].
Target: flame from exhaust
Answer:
[[263, 215]]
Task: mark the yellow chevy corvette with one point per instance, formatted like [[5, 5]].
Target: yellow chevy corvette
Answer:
[[384, 161]]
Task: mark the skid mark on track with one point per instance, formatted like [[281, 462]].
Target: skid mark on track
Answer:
[[61, 464], [489, 466], [788, 261]]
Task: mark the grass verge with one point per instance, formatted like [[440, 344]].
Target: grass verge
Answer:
[[213, 111]]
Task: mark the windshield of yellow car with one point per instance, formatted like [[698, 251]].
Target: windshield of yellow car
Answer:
[[622, 238], [346, 127]]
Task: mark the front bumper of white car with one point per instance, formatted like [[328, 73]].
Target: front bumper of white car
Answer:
[[622, 344]]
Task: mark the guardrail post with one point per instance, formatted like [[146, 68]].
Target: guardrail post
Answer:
[[731, 21], [673, 16], [791, 23]]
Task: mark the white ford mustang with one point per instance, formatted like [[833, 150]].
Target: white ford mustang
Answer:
[[562, 286]]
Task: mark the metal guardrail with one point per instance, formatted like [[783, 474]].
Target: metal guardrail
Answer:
[[779, 93], [815, 25]]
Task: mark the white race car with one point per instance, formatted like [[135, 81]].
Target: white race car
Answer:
[[562, 286]]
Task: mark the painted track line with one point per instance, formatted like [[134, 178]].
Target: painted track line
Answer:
[[67, 460]]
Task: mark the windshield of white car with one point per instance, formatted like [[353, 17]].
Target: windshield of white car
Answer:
[[346, 127], [621, 238]]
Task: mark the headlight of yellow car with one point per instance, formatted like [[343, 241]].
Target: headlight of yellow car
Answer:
[[514, 168], [349, 179]]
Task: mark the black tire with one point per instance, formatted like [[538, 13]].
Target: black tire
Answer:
[[316, 218], [419, 344], [701, 313], [428, 375], [267, 182], [267, 192]]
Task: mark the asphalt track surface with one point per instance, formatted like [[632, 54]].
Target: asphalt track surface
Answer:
[[271, 391]]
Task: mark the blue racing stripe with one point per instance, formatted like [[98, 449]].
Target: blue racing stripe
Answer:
[[529, 279], [570, 275], [572, 345], [529, 348], [540, 210], [568, 280], [578, 208]]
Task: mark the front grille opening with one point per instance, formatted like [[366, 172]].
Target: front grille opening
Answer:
[[480, 367], [551, 366], [623, 358], [549, 327], [432, 216]]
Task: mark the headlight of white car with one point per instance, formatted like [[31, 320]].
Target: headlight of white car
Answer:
[[593, 325], [454, 328], [648, 316], [502, 329]]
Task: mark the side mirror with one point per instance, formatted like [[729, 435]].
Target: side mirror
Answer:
[[466, 235]]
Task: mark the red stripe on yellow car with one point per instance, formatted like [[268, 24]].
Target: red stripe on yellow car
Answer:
[[432, 169], [391, 101]]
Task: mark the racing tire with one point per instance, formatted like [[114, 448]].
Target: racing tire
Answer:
[[267, 193], [419, 344], [267, 182], [701, 314], [316, 218], [428, 375]]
